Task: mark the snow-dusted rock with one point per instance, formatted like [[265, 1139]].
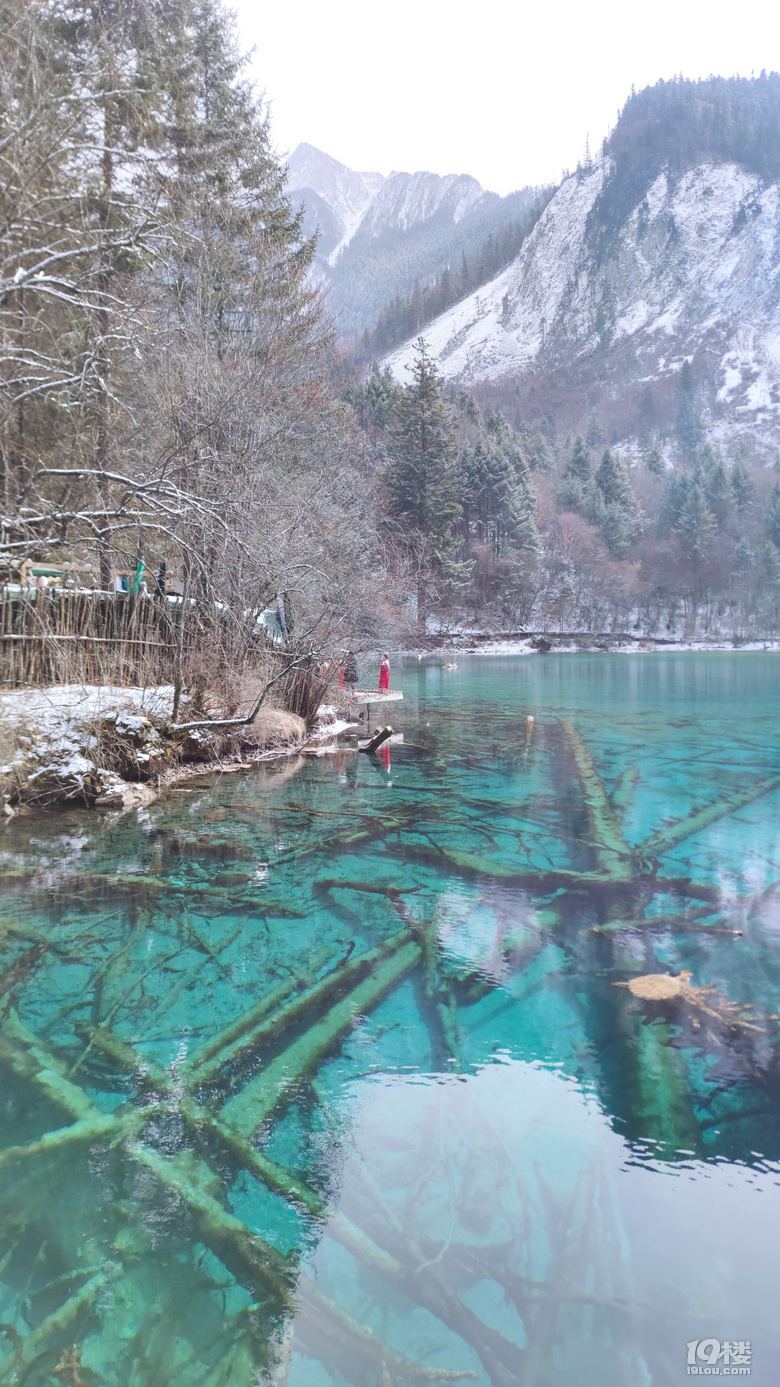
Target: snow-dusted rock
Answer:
[[70, 743], [115, 793]]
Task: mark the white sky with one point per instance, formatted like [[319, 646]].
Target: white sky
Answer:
[[504, 91]]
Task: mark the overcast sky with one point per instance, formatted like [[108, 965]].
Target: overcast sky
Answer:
[[506, 92]]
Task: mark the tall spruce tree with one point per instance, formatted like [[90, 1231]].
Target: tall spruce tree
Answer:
[[612, 480], [578, 466], [423, 481], [696, 526], [772, 518]]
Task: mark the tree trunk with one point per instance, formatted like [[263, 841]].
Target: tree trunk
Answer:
[[422, 608]]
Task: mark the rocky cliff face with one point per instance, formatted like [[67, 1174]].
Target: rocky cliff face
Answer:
[[352, 203], [692, 274]]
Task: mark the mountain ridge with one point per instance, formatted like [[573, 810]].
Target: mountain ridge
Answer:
[[692, 275], [380, 234], [662, 254]]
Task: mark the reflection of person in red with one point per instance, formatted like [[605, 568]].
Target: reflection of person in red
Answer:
[[384, 755], [384, 673]]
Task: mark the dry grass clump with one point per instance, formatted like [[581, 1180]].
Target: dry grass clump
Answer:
[[273, 727]]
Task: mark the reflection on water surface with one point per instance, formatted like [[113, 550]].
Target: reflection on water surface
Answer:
[[332, 1074]]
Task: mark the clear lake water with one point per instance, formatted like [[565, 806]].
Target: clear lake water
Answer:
[[329, 1072]]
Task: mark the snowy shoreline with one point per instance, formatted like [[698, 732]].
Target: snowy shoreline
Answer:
[[112, 747], [574, 645]]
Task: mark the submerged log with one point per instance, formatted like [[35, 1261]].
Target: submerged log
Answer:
[[432, 1291], [623, 792], [667, 838], [335, 1324], [612, 853], [542, 880], [29, 1346], [238, 1028], [86, 1130], [258, 1024], [253, 1261], [248, 1108]]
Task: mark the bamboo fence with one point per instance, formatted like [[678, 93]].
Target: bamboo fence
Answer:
[[89, 638]]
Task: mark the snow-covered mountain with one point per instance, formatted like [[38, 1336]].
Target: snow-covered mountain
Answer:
[[691, 272], [336, 197], [406, 198], [378, 234]]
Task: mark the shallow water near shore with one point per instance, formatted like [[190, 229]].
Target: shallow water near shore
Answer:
[[455, 1142]]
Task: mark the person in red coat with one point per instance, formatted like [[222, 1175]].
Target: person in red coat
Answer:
[[384, 673]]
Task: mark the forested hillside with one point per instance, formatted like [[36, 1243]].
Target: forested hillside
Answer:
[[673, 126], [514, 528], [601, 457], [659, 256]]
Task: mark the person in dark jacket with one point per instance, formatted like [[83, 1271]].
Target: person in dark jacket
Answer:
[[350, 671]]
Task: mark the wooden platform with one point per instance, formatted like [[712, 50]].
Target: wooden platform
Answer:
[[374, 696]]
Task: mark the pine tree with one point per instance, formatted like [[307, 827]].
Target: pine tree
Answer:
[[772, 518], [741, 485], [594, 434], [422, 479], [716, 485], [654, 462], [612, 480], [615, 527], [578, 466], [696, 525], [687, 425]]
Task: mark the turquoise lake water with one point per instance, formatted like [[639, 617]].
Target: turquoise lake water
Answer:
[[329, 1072]]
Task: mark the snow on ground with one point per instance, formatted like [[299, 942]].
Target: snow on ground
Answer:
[[66, 702], [50, 737]]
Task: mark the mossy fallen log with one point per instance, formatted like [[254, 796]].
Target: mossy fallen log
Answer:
[[502, 1359], [258, 1025], [338, 1326], [698, 919], [238, 1028], [541, 880], [248, 1108], [247, 1256], [32, 1061], [612, 853], [623, 793], [250, 1259], [14, 1367], [85, 1131], [662, 1107], [22, 967], [667, 838], [145, 887], [431, 1292]]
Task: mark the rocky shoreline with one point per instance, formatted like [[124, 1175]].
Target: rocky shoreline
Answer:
[[113, 748]]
